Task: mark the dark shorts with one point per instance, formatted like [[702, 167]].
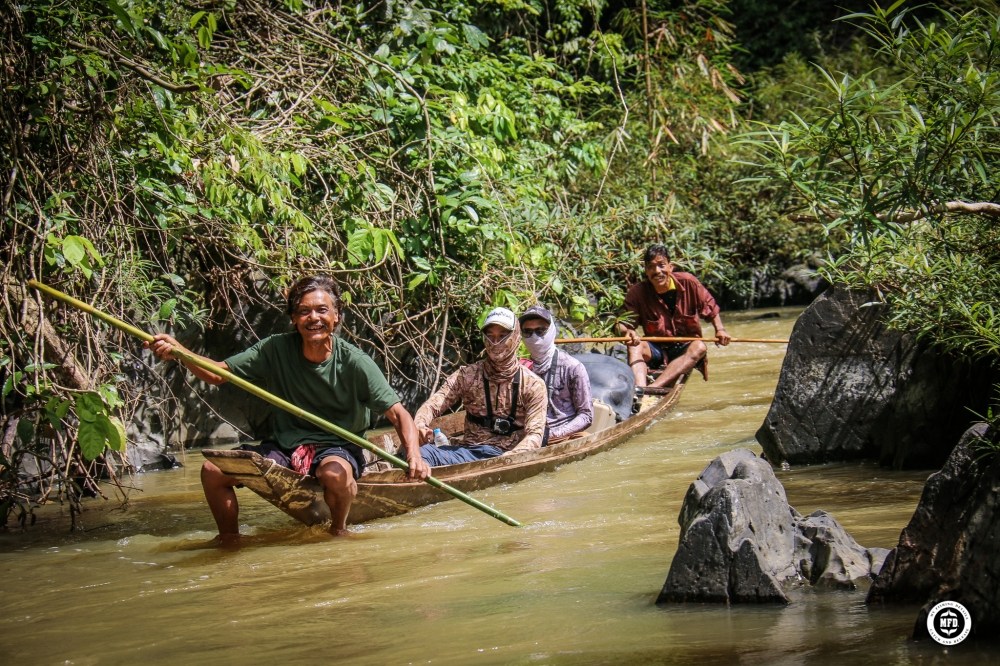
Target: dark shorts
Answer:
[[669, 350], [270, 449]]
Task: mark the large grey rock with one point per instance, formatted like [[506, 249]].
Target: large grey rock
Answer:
[[950, 550], [719, 558], [798, 284], [742, 542], [850, 387]]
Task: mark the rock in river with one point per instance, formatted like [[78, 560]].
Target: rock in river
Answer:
[[852, 387], [742, 542], [950, 551]]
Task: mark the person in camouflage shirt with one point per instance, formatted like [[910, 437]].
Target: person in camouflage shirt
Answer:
[[504, 402]]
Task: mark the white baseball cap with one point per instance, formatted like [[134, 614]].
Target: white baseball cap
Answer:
[[501, 316]]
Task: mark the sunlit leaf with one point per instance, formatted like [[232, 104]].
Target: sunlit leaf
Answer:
[[89, 406], [93, 438]]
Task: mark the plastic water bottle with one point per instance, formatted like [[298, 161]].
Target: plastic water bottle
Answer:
[[440, 439]]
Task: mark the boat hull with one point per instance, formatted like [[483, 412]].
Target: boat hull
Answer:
[[389, 493]]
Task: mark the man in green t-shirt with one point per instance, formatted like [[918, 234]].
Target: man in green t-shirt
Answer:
[[319, 372]]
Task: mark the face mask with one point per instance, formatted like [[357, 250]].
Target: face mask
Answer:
[[501, 356], [542, 349]]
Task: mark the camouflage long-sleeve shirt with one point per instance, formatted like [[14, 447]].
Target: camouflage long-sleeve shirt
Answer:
[[466, 386]]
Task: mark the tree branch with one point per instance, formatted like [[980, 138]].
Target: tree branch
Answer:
[[960, 207], [138, 69]]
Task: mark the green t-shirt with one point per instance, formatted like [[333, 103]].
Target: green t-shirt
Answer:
[[345, 389]]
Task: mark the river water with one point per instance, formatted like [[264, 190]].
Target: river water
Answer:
[[449, 585]]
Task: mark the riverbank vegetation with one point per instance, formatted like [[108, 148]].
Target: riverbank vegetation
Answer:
[[903, 160], [177, 164]]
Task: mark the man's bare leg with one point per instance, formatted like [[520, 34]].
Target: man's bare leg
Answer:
[[638, 357], [681, 365], [222, 501], [339, 490]]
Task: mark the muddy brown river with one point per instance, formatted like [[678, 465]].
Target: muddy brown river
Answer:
[[449, 585]]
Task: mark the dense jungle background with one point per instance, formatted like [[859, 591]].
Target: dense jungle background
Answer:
[[177, 164]]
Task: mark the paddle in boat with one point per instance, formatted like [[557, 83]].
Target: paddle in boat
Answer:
[[386, 492]]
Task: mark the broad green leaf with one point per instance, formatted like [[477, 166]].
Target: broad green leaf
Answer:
[[415, 281], [8, 384], [26, 431], [115, 433], [74, 250], [166, 309], [126, 19], [34, 367], [380, 244], [359, 245], [391, 236], [89, 406], [109, 394], [158, 37], [55, 410], [93, 438]]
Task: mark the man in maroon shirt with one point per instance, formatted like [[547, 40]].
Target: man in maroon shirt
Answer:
[[668, 303]]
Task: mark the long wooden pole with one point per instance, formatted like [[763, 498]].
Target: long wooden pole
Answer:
[[273, 399], [561, 341]]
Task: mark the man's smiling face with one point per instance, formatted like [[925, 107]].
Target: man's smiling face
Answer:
[[316, 316], [659, 270]]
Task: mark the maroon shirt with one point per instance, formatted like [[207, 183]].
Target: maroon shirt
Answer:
[[693, 301]]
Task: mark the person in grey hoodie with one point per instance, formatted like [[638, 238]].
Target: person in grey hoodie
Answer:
[[570, 407]]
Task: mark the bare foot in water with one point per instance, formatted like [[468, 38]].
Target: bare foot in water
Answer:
[[227, 540], [339, 532]]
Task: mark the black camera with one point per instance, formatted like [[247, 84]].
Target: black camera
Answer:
[[502, 426]]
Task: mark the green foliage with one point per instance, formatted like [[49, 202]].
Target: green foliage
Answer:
[[426, 140], [72, 253], [181, 164], [987, 445], [889, 158], [98, 430]]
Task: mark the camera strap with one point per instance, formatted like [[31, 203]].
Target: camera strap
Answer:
[[550, 379], [515, 388]]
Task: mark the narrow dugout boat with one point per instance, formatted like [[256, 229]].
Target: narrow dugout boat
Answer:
[[388, 492]]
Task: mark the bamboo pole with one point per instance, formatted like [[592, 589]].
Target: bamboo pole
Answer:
[[273, 399], [561, 341]]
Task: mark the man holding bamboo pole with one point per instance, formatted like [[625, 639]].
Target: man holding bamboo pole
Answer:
[[668, 303], [319, 372]]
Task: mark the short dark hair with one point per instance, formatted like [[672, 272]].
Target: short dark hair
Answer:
[[654, 251], [310, 284]]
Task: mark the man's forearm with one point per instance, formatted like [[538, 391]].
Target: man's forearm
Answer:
[[206, 375]]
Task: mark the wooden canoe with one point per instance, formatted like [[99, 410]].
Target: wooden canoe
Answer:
[[388, 492]]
